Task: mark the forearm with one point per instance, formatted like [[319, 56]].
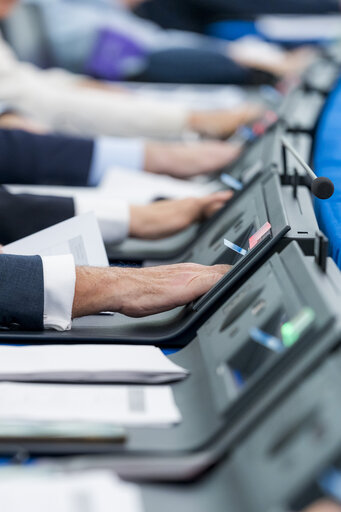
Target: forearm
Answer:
[[94, 287], [76, 110]]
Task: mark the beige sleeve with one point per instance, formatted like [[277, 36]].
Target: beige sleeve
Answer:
[[54, 98]]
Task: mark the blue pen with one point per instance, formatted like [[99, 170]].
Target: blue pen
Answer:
[[266, 340]]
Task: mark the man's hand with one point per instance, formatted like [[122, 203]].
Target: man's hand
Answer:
[[144, 291], [222, 123], [268, 57], [324, 506], [185, 160], [165, 218]]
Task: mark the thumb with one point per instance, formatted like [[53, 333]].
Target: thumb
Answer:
[[211, 204]]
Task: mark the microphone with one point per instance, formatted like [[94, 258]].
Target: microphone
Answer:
[[321, 187]]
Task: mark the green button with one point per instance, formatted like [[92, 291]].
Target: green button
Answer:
[[293, 330]]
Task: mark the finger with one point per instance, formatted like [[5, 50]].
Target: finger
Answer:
[[221, 269], [221, 196], [210, 210], [323, 506]]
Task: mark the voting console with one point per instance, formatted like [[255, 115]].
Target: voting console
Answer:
[[259, 344], [263, 151]]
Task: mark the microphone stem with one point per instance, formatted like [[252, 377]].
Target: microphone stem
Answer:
[[298, 157]]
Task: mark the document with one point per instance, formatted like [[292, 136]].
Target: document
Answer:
[[113, 405], [135, 187], [300, 28], [195, 97], [33, 490], [141, 188], [79, 236], [88, 363]]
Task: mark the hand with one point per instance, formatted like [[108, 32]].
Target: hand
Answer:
[[144, 291], [6, 7], [222, 123], [16, 122], [165, 218], [324, 506], [270, 58], [187, 160]]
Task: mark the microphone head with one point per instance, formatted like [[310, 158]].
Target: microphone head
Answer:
[[322, 188]]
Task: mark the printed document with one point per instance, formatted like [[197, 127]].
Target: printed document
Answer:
[[88, 363], [30, 490], [113, 405], [79, 236]]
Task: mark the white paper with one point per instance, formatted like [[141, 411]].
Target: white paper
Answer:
[[195, 97], [135, 187], [141, 188], [96, 491], [300, 28], [115, 405], [79, 236], [88, 363]]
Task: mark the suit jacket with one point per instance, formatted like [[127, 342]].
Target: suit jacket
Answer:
[[21, 291], [21, 277], [24, 214], [27, 158]]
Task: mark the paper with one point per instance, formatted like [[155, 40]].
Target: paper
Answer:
[[135, 187], [195, 97], [142, 188], [300, 28], [88, 363], [30, 490], [79, 236], [117, 405]]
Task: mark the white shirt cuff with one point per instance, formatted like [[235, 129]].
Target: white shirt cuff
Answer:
[[59, 291], [115, 152], [113, 215]]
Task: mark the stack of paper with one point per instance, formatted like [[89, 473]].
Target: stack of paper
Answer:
[[96, 491], [88, 363], [112, 405]]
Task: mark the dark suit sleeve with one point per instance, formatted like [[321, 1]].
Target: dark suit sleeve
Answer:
[[195, 15], [194, 66], [21, 291], [24, 214], [247, 8], [27, 158]]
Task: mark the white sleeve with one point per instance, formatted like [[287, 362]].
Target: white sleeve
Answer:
[[59, 290], [54, 98], [113, 215]]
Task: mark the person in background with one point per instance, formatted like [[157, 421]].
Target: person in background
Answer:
[[74, 104], [52, 159], [24, 214], [104, 39]]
